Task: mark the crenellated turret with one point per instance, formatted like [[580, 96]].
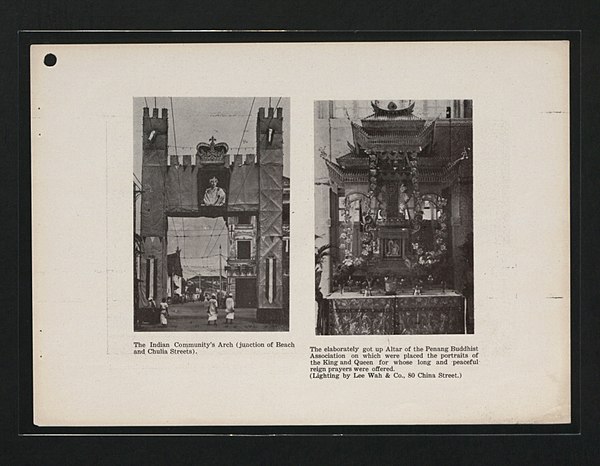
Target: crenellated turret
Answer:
[[269, 151], [153, 226]]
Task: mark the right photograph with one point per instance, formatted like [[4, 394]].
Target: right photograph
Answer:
[[394, 217]]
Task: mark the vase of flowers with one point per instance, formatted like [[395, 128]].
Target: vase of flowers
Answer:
[[344, 271], [391, 284], [430, 281], [402, 282], [414, 270], [369, 286]]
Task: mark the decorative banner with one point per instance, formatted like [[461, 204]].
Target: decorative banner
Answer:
[[270, 290], [151, 277]]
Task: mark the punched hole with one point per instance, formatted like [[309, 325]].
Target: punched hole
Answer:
[[50, 59]]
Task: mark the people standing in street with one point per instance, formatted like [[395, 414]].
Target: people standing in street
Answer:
[[153, 317], [213, 312], [164, 312], [230, 308]]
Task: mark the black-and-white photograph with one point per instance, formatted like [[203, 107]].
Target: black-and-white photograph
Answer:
[[211, 193], [394, 217]]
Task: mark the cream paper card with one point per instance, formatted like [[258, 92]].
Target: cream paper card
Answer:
[[84, 133]]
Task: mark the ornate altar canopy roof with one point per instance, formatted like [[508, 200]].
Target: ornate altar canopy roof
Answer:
[[393, 128]]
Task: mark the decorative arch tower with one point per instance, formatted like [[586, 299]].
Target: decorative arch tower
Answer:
[[153, 227], [269, 148]]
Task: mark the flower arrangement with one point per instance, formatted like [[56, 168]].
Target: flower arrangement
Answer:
[[422, 261], [345, 270]]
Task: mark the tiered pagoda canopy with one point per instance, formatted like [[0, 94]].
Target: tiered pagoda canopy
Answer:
[[390, 128], [394, 129]]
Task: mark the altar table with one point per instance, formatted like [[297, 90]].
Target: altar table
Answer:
[[428, 313]]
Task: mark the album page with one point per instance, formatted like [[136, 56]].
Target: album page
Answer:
[[301, 234]]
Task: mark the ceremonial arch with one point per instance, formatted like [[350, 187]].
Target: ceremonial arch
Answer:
[[247, 192]]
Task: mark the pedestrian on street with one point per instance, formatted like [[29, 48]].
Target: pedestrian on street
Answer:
[[213, 312], [164, 312], [230, 308], [154, 318]]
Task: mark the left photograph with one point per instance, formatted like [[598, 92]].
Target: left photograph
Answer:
[[211, 214]]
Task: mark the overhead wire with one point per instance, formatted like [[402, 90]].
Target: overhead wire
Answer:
[[178, 173], [175, 229], [166, 195], [205, 257], [211, 234], [184, 229], [246, 125], [246, 175], [216, 219], [247, 172]]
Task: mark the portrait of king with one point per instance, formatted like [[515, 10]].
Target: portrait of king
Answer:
[[214, 195]]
